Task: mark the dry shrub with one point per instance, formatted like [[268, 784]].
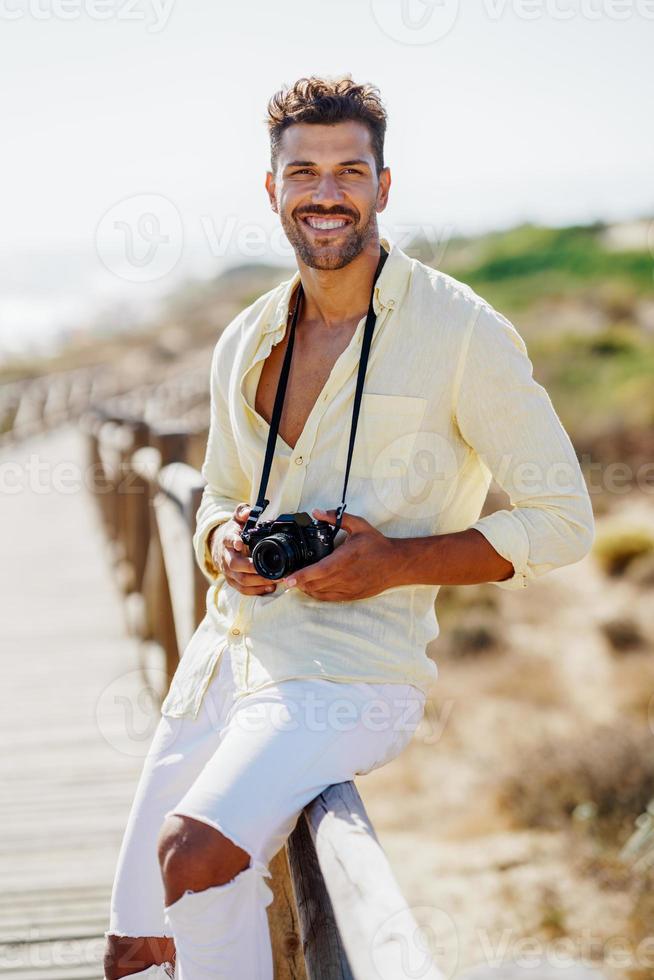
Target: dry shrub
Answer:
[[607, 771], [641, 570], [469, 620], [618, 546], [477, 635], [623, 634], [528, 678], [453, 600], [633, 689]]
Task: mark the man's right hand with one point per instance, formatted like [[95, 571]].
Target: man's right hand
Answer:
[[229, 553]]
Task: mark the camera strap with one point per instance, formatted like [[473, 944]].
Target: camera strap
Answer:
[[371, 320]]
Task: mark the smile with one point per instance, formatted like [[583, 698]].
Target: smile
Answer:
[[326, 224]]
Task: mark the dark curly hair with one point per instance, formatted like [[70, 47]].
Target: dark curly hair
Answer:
[[327, 101]]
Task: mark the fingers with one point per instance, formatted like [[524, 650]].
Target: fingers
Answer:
[[255, 590], [349, 522], [233, 536], [249, 583], [240, 572], [233, 539], [238, 564], [242, 513], [322, 574]]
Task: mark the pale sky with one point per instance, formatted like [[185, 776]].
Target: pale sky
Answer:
[[498, 112]]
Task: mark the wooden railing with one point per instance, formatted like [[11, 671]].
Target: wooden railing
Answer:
[[337, 910], [30, 406]]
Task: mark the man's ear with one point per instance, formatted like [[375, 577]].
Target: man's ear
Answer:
[[383, 189], [271, 189]]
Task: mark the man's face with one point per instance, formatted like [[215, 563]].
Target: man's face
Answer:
[[327, 193]]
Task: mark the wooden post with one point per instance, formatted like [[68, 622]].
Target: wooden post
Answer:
[[323, 950], [171, 441], [134, 495], [200, 584], [371, 915], [283, 923]]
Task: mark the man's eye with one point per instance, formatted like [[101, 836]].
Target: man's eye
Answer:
[[301, 172]]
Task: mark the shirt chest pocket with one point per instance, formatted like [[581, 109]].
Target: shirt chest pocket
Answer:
[[386, 434]]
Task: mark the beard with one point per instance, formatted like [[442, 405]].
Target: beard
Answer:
[[356, 237]]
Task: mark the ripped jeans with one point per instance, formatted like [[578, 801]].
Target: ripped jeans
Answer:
[[247, 766]]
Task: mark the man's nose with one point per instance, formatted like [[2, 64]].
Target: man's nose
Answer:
[[328, 191]]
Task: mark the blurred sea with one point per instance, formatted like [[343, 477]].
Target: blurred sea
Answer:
[[48, 298]]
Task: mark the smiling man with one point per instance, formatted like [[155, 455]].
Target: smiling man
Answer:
[[252, 728]]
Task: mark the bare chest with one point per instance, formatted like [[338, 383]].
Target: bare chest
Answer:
[[314, 355]]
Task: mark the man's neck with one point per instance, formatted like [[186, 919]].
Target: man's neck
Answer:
[[336, 296]]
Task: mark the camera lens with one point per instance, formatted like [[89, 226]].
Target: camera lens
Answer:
[[275, 556]]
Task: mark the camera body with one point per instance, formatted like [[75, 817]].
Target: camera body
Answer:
[[288, 543]]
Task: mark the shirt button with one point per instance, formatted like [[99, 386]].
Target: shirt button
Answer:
[[299, 460], [236, 632]]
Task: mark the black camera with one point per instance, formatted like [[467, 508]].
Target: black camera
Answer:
[[280, 547]]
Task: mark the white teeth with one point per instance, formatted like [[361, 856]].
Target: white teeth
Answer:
[[326, 223]]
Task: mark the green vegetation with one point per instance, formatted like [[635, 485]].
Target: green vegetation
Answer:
[[598, 382], [515, 268]]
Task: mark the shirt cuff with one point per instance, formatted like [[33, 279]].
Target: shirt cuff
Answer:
[[509, 538], [203, 553]]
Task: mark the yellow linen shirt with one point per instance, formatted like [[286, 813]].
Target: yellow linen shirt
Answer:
[[449, 400]]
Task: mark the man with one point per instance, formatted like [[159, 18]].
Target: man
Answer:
[[449, 401]]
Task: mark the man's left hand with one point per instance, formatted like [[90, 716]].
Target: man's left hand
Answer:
[[360, 567]]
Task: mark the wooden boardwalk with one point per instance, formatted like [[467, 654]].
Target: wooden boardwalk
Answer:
[[70, 689]]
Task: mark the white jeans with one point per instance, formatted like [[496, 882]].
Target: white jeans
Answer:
[[246, 767]]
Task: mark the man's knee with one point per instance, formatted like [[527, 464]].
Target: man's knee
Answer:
[[195, 856], [127, 955]]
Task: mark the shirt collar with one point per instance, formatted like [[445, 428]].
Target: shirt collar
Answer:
[[391, 286]]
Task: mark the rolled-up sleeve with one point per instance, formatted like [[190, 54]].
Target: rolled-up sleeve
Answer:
[[226, 483], [508, 420]]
